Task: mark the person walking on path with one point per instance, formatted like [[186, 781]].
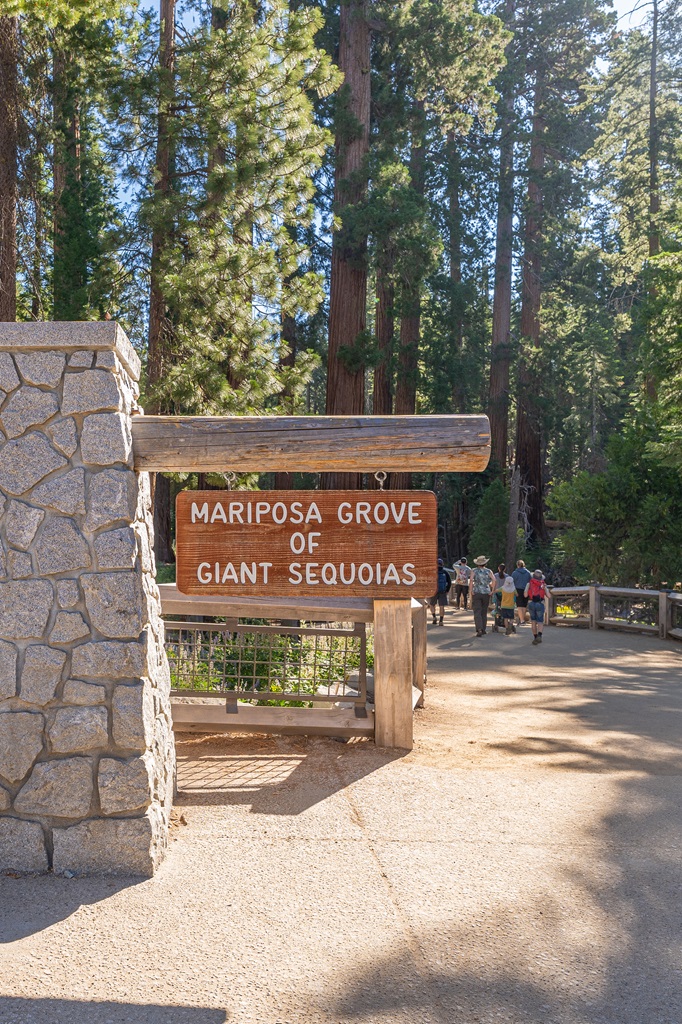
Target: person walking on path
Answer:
[[482, 586], [500, 577], [462, 579], [507, 605], [521, 578], [536, 592], [441, 595]]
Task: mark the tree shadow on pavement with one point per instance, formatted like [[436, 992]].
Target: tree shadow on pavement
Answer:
[[274, 775], [583, 930], [70, 1011], [32, 903]]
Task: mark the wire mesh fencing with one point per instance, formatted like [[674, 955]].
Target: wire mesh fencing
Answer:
[[299, 666]]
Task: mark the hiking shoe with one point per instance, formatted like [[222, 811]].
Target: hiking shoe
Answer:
[[535, 641], [539, 638]]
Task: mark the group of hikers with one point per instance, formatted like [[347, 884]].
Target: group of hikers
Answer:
[[519, 597]]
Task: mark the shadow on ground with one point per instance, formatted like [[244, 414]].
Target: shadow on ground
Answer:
[[69, 1011], [273, 775], [52, 899]]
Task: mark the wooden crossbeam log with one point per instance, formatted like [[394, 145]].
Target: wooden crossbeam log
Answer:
[[313, 444]]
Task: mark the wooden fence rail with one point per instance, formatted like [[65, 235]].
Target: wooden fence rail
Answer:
[[664, 609]]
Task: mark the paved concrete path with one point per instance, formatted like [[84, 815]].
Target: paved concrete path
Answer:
[[522, 864]]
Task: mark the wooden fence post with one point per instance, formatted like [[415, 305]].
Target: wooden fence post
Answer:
[[663, 615], [419, 633], [393, 674], [594, 609]]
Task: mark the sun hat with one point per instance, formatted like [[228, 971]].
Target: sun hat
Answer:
[[538, 574], [509, 587], [481, 560]]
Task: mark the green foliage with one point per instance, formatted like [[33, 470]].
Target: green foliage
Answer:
[[489, 533], [626, 521]]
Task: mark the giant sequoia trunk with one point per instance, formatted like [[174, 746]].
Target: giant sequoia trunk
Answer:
[[528, 421], [454, 176], [160, 339], [410, 318], [382, 400], [498, 405], [9, 120], [348, 289]]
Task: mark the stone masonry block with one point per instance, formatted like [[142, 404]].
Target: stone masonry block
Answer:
[[109, 659], [111, 497], [26, 462], [41, 673], [90, 391], [44, 368], [9, 378], [22, 845], [28, 407], [21, 740], [115, 846], [82, 359], [19, 565], [106, 439], [68, 593], [114, 603], [133, 717], [5, 802], [124, 786], [21, 523], [77, 692], [64, 436], [78, 730], [69, 626], [61, 548], [8, 670], [116, 549], [25, 608], [58, 789], [64, 493]]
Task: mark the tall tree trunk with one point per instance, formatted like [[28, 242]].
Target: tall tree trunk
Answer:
[[654, 145], [498, 404], [410, 313], [160, 338], [285, 481], [454, 176], [528, 421], [348, 290], [9, 126], [382, 400]]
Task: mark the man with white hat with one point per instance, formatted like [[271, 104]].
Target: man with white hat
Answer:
[[482, 586]]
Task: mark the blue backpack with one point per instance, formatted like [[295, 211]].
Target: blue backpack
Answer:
[[443, 582]]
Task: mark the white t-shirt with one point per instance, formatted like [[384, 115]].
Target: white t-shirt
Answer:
[[463, 573]]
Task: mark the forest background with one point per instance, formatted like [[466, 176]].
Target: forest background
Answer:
[[430, 206]]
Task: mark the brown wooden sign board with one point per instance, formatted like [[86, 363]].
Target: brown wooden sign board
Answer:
[[379, 544]]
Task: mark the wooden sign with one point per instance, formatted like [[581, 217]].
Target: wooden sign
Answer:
[[379, 544]]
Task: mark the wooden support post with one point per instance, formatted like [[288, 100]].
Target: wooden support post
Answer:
[[594, 609], [663, 615], [393, 674], [419, 620]]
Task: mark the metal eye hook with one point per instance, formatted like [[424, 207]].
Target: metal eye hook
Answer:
[[380, 478], [231, 479]]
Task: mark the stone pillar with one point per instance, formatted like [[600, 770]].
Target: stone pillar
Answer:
[[87, 763]]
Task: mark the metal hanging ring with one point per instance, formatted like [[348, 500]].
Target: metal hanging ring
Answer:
[[380, 478], [231, 479]]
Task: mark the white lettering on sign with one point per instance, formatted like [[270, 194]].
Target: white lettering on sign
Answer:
[[382, 544]]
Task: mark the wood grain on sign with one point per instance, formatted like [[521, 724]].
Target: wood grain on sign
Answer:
[[362, 444], [307, 543]]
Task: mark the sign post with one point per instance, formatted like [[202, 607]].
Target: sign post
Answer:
[[379, 544]]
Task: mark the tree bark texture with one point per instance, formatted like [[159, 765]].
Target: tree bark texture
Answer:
[[654, 145], [498, 404], [160, 338], [348, 289], [455, 246], [410, 322], [382, 402], [9, 127], [528, 421]]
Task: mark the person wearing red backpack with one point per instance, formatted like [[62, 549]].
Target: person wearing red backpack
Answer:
[[536, 592]]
